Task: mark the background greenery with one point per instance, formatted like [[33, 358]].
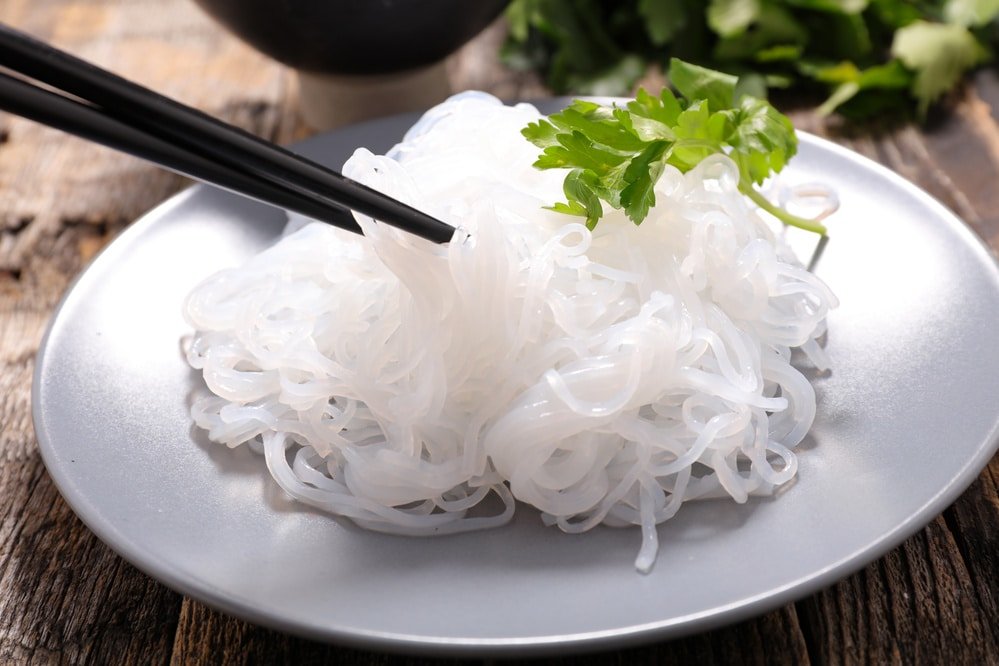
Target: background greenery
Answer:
[[864, 57]]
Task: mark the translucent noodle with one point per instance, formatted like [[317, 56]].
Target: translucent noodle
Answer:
[[602, 377]]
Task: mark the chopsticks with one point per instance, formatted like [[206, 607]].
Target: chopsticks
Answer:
[[89, 123], [100, 106]]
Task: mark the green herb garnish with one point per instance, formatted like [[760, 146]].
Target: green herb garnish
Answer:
[[868, 57], [616, 154]]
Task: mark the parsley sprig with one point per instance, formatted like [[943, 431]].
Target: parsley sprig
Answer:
[[616, 154]]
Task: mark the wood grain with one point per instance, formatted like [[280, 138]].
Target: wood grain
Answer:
[[65, 597]]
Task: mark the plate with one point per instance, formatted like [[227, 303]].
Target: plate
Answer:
[[907, 418]]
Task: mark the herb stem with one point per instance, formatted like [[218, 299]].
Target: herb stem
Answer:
[[781, 214]]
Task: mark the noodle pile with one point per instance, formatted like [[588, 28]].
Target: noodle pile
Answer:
[[602, 377]]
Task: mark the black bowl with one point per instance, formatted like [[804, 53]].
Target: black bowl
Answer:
[[355, 36]]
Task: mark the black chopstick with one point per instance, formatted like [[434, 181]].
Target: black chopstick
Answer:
[[200, 134], [25, 99]]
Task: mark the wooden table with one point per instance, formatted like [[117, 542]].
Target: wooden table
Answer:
[[64, 596]]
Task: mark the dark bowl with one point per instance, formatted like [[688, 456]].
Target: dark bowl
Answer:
[[355, 36]]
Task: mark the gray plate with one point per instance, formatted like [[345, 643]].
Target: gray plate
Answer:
[[907, 419]]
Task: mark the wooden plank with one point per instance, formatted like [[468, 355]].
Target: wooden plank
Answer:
[[64, 596], [973, 523], [169, 46], [916, 605]]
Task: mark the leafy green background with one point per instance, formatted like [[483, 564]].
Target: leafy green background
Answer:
[[866, 57]]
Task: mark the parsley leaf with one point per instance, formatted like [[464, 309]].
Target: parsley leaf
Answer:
[[695, 82], [663, 19], [939, 54], [615, 155], [732, 17], [971, 12]]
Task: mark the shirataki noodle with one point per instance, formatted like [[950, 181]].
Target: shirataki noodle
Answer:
[[602, 377]]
